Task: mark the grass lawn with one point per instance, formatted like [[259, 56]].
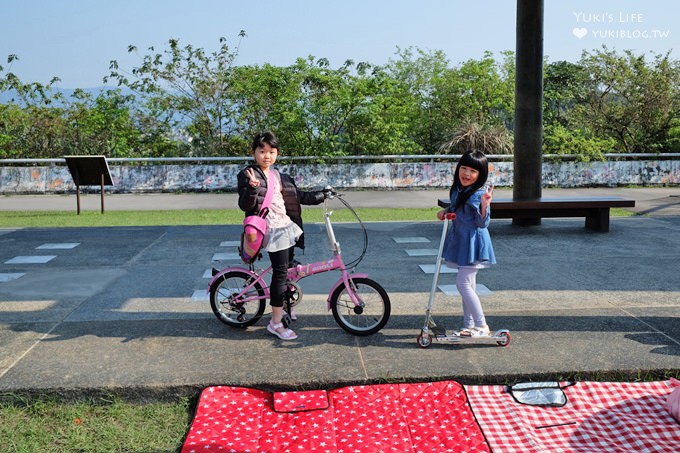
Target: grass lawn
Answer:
[[93, 425], [58, 219]]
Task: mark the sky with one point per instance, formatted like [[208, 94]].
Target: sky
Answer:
[[75, 40]]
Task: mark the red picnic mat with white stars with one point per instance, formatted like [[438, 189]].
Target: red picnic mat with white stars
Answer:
[[612, 417], [422, 417]]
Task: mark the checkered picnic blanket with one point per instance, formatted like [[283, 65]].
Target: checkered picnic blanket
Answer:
[[598, 417]]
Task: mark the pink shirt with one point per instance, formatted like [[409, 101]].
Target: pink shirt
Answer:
[[277, 217]]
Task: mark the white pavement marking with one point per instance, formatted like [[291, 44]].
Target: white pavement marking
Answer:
[[58, 246], [200, 295], [422, 252], [450, 290], [443, 269], [230, 243], [9, 277], [226, 256], [34, 259], [414, 239]]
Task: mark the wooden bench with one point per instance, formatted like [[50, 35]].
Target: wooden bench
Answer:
[[594, 209]]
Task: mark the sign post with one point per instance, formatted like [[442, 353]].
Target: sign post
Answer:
[[89, 171]]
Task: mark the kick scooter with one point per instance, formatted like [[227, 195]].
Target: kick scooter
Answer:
[[431, 331]]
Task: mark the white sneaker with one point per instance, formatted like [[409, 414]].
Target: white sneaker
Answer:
[[476, 331], [464, 329]]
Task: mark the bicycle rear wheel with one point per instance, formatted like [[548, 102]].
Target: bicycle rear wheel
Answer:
[[234, 307], [368, 317]]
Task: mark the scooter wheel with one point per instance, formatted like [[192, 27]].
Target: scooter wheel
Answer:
[[505, 339], [424, 340]]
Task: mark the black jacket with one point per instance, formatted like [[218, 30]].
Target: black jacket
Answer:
[[250, 199]]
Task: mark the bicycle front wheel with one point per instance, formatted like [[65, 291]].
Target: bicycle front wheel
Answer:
[[369, 316], [234, 306]]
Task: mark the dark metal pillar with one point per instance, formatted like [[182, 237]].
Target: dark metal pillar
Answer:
[[528, 104]]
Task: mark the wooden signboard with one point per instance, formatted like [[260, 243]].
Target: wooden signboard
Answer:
[[89, 171]]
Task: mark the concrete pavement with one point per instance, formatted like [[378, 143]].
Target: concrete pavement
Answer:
[[85, 309]]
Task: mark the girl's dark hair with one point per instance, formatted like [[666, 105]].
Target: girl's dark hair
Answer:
[[472, 159], [263, 137]]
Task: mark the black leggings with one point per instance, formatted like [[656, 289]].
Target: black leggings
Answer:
[[280, 262]]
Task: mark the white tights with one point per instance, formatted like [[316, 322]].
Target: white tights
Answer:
[[466, 282]]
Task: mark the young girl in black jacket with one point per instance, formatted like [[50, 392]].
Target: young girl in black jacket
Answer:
[[284, 221]]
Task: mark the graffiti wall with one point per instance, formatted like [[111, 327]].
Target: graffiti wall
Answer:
[[416, 175]]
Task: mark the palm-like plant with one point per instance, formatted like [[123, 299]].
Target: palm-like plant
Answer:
[[484, 137]]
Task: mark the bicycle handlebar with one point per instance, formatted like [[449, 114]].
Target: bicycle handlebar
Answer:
[[329, 192]]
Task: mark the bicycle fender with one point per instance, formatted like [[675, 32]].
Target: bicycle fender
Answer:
[[338, 283], [216, 278]]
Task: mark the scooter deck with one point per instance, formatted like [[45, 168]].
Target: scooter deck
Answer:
[[500, 337], [493, 337]]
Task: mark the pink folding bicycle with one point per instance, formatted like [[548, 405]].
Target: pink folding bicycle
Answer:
[[239, 295]]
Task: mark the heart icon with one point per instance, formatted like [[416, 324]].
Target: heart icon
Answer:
[[580, 32]]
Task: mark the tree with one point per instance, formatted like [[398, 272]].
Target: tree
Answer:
[[417, 75], [482, 91], [30, 124], [321, 111], [186, 88], [26, 94], [477, 99], [332, 101], [566, 86], [185, 102], [631, 100], [102, 124], [381, 126], [264, 98]]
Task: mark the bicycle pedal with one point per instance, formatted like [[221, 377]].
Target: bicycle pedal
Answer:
[[286, 320]]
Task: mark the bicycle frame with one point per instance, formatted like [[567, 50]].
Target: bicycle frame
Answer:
[[301, 271]]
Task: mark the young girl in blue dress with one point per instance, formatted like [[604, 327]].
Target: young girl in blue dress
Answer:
[[468, 244]]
